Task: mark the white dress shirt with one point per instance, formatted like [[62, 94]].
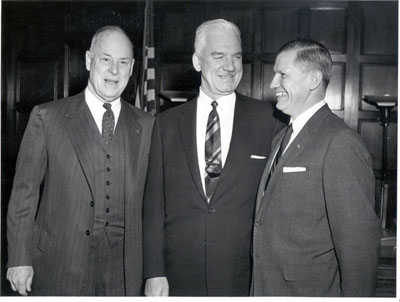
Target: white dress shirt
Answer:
[[226, 110], [96, 108]]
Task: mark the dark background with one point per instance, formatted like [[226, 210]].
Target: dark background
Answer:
[[44, 44]]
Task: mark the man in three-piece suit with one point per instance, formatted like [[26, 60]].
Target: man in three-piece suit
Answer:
[[206, 161], [315, 229], [90, 151]]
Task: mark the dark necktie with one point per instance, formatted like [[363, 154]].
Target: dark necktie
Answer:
[[108, 123], [212, 151], [282, 147]]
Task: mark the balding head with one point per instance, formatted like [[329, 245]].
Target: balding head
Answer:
[[106, 31]]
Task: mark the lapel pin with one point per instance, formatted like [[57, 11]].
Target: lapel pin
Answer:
[[298, 146]]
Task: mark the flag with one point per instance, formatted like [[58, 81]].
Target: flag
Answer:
[[146, 90]]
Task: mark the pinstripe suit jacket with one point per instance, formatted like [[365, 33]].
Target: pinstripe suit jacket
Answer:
[[316, 232], [49, 229]]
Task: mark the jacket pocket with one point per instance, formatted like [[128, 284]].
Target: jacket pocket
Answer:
[[305, 273], [41, 239]]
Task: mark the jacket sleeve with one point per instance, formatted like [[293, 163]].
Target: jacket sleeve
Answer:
[[154, 211], [349, 185], [22, 208]]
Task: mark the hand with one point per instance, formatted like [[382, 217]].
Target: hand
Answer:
[[20, 278], [157, 287]]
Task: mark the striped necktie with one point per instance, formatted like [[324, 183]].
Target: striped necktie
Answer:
[[212, 151], [108, 123]]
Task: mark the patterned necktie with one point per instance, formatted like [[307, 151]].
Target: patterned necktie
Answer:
[[212, 151], [282, 147], [108, 123]]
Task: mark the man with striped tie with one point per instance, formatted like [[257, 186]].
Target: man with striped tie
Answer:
[[206, 160]]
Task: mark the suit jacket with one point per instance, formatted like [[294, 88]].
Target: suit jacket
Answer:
[[53, 234], [204, 249], [315, 231]]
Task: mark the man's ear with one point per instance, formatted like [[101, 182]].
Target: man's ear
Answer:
[[196, 61], [88, 60], [132, 64], [315, 79]]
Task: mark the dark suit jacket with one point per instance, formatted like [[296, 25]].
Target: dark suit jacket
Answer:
[[315, 231], [204, 249], [53, 235]]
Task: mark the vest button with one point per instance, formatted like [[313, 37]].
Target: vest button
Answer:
[[87, 232], [108, 169], [106, 223], [108, 182], [108, 196], [92, 203], [108, 156], [107, 210]]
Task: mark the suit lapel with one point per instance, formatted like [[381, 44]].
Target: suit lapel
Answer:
[[76, 122], [275, 145], [237, 155], [295, 148], [303, 138], [133, 140], [188, 132]]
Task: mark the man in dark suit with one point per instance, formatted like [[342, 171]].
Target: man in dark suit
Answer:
[[315, 230], [90, 151], [206, 160]]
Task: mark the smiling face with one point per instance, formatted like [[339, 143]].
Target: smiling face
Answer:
[[291, 84], [110, 62], [220, 63]]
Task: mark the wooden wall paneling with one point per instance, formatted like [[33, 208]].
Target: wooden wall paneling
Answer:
[[377, 80], [179, 27], [36, 83], [9, 121], [174, 38], [328, 26], [371, 132], [286, 19], [335, 92], [352, 72], [179, 77], [245, 84], [256, 84], [379, 33], [267, 76]]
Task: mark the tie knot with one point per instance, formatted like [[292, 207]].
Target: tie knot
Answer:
[[214, 104], [107, 106]]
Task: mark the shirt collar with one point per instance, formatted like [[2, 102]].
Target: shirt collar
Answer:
[[303, 118], [226, 103], [95, 102]]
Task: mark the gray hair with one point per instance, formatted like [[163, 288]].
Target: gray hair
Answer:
[[311, 55], [210, 25], [109, 28]]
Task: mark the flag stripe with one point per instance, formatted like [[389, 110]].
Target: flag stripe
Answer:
[[147, 83]]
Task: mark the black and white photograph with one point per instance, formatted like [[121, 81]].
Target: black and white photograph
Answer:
[[199, 148]]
